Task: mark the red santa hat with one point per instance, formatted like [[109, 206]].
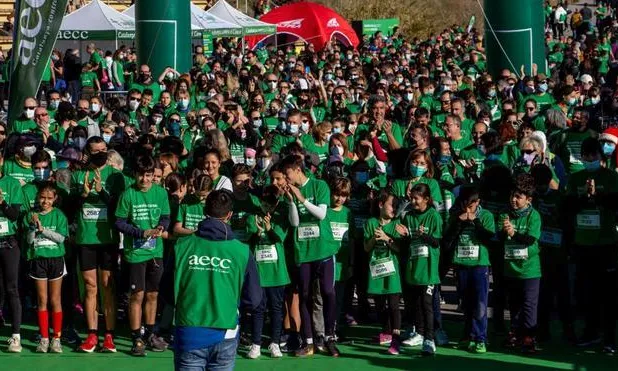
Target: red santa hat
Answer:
[[610, 135]]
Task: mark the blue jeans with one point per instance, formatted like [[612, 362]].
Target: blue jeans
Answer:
[[219, 357], [473, 284]]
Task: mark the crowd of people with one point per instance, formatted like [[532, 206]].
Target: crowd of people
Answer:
[[332, 187]]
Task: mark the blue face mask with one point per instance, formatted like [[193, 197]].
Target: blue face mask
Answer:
[[592, 165], [62, 164], [107, 138], [41, 175], [543, 88], [79, 142], [445, 159], [417, 171], [362, 177], [608, 148], [173, 127]]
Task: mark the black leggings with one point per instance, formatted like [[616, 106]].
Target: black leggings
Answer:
[[422, 304], [9, 271], [388, 307]]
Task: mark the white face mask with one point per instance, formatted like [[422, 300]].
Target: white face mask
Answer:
[[158, 120], [257, 123], [133, 105], [272, 85], [95, 107], [409, 96], [29, 113], [293, 128], [250, 161], [304, 127], [352, 127]]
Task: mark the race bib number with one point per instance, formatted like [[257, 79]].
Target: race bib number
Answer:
[[589, 220], [239, 159], [419, 251], [551, 236], [382, 268], [95, 213], [516, 252], [468, 252], [41, 242], [574, 152], [308, 232], [146, 244], [266, 254], [339, 231], [4, 226]]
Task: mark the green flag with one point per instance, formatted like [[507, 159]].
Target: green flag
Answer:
[[36, 27]]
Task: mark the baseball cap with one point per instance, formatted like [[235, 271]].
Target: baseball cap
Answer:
[[586, 79]]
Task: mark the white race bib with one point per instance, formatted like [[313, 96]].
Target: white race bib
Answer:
[[515, 252], [382, 268], [551, 236], [146, 244], [308, 232], [266, 254], [468, 252], [589, 220], [95, 213], [339, 230], [42, 242], [240, 159], [4, 226], [419, 251]]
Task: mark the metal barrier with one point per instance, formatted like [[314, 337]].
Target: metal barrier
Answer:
[[106, 94]]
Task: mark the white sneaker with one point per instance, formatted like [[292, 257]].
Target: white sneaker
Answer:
[[441, 337], [275, 351], [55, 346], [414, 340], [14, 344], [43, 346], [255, 351], [429, 348]]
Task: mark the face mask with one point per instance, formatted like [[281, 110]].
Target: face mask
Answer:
[[400, 80], [108, 60], [304, 127], [29, 151], [95, 107], [328, 137], [417, 171], [55, 57], [263, 163], [445, 159], [336, 130], [157, 120], [592, 165], [492, 93], [107, 138], [572, 101], [352, 127], [79, 142], [53, 105], [328, 76], [98, 159], [170, 75], [250, 162], [41, 175], [133, 105], [608, 148], [281, 68], [29, 113], [272, 85], [409, 96], [528, 158], [595, 100], [430, 91], [445, 88], [257, 123], [529, 89], [362, 177], [293, 128], [212, 94], [173, 128], [183, 104], [543, 88], [62, 164]]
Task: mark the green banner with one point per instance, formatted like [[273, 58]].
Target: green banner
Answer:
[[36, 27], [96, 35], [371, 26]]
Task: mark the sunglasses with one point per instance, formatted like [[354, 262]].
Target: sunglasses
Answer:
[[255, 118], [26, 107], [134, 99], [530, 109], [42, 114], [272, 80], [527, 151]]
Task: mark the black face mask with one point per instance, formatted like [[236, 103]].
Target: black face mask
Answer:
[[98, 159], [81, 114]]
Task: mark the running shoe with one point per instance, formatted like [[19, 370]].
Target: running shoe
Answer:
[[429, 348], [255, 351], [108, 344], [275, 352], [305, 351], [14, 344], [55, 346], [156, 343], [331, 348], [90, 344], [43, 346], [414, 340], [395, 346], [139, 348]]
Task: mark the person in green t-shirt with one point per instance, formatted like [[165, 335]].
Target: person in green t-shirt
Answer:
[[380, 242], [191, 210], [89, 82], [47, 230], [267, 231], [142, 216], [25, 122], [468, 237], [519, 234], [308, 201], [421, 230]]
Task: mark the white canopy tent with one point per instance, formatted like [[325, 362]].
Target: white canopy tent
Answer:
[[250, 26], [98, 22]]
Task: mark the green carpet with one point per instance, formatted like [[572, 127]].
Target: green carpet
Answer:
[[357, 354]]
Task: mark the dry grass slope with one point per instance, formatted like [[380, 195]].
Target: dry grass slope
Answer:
[[418, 17]]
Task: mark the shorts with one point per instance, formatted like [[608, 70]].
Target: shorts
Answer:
[[145, 276], [47, 269], [104, 257]]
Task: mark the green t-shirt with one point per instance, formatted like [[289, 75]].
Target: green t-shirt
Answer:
[[191, 212], [313, 238], [23, 125], [42, 247], [549, 207], [242, 210], [570, 149], [96, 59], [14, 169], [95, 222], [458, 145], [422, 262], [400, 187], [595, 224], [384, 277], [342, 225], [154, 86], [144, 211], [470, 250], [268, 250], [523, 261], [13, 195], [87, 79], [382, 137], [208, 281]]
